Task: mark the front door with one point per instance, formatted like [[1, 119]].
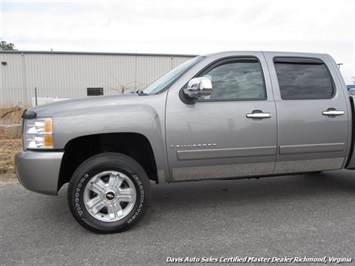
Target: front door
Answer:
[[230, 133]]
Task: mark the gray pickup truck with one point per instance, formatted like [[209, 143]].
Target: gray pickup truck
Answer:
[[223, 115]]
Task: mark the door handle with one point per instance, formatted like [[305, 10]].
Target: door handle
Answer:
[[257, 114], [332, 112]]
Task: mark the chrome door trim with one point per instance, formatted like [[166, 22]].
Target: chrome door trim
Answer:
[[303, 166], [225, 153], [222, 171], [161, 176]]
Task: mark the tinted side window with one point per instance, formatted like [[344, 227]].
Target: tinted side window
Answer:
[[303, 79], [236, 80]]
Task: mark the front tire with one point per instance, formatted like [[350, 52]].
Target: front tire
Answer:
[[109, 193]]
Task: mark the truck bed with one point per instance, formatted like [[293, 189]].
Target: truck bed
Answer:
[[351, 160]]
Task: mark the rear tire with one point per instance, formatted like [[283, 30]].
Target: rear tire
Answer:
[[109, 193]]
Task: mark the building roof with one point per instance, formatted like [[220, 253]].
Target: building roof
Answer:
[[92, 53]]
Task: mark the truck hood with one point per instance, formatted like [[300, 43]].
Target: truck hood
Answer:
[[67, 107]]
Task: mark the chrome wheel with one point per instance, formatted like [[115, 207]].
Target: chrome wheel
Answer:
[[110, 196], [109, 193]]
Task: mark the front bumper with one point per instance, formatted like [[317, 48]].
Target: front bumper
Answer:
[[39, 171]]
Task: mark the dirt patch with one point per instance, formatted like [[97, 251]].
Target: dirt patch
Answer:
[[8, 149]]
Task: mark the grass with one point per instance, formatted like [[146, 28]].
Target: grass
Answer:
[[8, 149], [12, 113], [10, 140], [10, 121]]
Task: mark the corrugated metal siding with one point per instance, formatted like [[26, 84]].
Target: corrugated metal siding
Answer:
[[13, 79], [69, 75]]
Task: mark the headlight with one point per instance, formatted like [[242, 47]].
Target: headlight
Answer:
[[38, 133]]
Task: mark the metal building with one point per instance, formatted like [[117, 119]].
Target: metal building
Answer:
[[57, 75]]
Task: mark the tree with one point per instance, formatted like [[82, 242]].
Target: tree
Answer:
[[7, 46]]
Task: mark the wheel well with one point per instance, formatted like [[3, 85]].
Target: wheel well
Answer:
[[133, 145]]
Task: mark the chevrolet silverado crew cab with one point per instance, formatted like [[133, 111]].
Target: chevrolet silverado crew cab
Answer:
[[223, 115]]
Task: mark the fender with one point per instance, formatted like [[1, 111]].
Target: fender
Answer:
[[130, 113]]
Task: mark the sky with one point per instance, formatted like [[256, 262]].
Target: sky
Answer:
[[183, 27]]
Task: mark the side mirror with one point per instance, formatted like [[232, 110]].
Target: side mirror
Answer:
[[198, 87]]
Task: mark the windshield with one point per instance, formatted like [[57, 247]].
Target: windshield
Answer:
[[165, 81]]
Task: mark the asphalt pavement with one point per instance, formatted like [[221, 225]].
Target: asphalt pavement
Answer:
[[291, 218]]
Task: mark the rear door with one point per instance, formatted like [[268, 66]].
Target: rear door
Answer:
[[313, 121]]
